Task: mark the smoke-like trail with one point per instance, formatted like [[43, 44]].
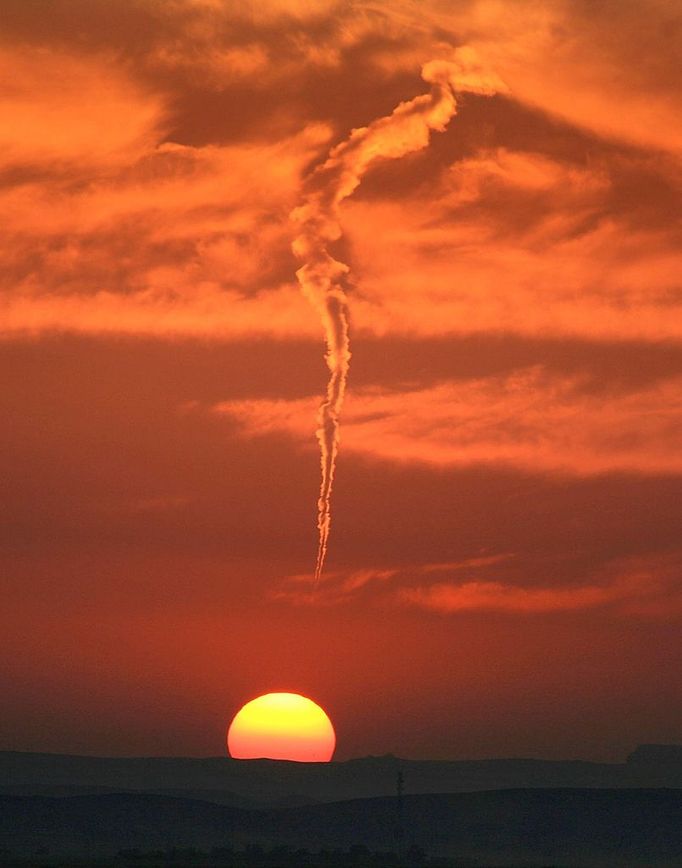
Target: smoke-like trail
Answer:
[[321, 276]]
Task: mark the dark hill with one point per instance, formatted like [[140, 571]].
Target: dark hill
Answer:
[[265, 783], [533, 827]]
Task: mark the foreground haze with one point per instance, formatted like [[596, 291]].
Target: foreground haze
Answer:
[[504, 567]]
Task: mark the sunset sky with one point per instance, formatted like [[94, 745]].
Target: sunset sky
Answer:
[[504, 573]]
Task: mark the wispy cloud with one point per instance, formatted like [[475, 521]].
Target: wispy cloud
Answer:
[[64, 108], [336, 586], [646, 586], [528, 420], [584, 252], [640, 587]]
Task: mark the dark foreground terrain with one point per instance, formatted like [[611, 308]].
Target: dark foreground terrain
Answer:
[[271, 783], [216, 811], [562, 827]]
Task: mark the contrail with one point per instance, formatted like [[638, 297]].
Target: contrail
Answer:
[[321, 276]]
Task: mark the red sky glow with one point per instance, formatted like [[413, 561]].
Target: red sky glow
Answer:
[[504, 566]]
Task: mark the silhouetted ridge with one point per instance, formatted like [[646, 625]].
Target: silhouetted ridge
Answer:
[[657, 754], [266, 783]]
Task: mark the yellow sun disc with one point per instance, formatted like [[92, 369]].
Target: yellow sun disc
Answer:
[[284, 726]]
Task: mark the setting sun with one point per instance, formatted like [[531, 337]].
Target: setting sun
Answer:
[[281, 726]]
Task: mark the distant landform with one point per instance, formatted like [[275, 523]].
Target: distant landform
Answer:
[[274, 783], [492, 812]]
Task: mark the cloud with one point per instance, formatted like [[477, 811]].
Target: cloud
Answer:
[[167, 160], [67, 108], [586, 251], [206, 312], [496, 596], [337, 586], [183, 240], [268, 9], [648, 587], [645, 586], [218, 66], [230, 186], [527, 420], [515, 241], [605, 67]]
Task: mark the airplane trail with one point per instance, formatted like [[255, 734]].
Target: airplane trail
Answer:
[[321, 276]]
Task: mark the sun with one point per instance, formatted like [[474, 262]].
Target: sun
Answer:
[[284, 726]]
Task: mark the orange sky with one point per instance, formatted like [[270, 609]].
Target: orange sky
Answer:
[[504, 567]]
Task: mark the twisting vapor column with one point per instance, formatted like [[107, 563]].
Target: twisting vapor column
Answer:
[[321, 276]]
